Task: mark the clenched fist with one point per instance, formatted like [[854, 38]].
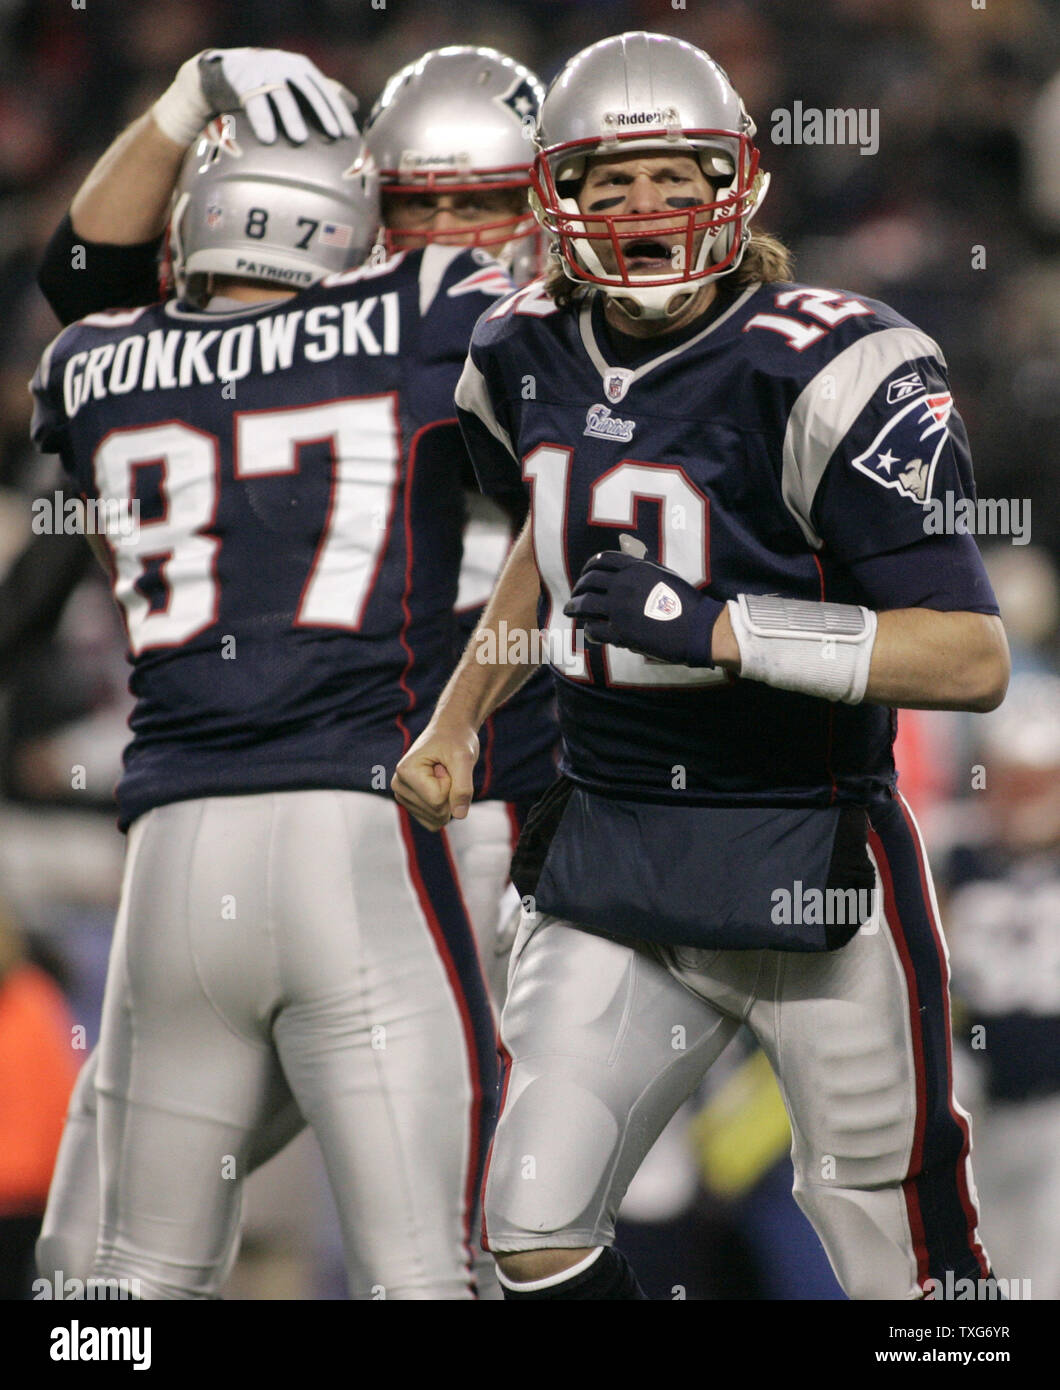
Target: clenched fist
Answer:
[[433, 780]]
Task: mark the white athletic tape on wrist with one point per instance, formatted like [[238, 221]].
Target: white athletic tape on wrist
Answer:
[[182, 110], [821, 649]]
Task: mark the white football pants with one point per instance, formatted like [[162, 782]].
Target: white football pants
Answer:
[[314, 941]]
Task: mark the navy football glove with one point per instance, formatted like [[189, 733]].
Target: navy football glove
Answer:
[[636, 603]]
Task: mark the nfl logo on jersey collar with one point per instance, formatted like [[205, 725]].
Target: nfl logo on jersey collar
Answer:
[[601, 424], [617, 381]]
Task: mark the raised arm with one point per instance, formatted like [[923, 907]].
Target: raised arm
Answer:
[[124, 201], [102, 254]]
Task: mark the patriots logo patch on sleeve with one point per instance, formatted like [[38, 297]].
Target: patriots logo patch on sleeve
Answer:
[[905, 451]]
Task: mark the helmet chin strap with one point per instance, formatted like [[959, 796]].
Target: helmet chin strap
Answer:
[[176, 243], [652, 302]]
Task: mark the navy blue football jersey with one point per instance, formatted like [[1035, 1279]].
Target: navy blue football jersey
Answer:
[[795, 435], [286, 561]]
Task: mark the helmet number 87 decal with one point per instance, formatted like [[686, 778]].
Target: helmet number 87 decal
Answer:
[[828, 307], [258, 220]]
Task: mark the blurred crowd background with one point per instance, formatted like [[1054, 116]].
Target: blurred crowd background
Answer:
[[955, 222]]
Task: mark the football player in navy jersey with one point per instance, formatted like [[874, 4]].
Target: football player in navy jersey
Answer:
[[450, 135], [411, 115], [730, 476], [434, 191], [284, 428]]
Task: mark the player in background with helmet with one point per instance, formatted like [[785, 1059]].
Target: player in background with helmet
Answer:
[[451, 137], [523, 738], [288, 594], [728, 474]]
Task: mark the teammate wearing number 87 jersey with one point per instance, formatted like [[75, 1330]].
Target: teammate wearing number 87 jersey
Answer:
[[292, 476], [729, 478]]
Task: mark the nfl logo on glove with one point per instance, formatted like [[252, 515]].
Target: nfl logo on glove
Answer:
[[662, 603]]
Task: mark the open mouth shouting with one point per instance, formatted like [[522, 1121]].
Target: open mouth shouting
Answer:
[[653, 255]]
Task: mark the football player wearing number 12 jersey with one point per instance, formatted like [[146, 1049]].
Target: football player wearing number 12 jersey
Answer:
[[284, 427], [728, 475]]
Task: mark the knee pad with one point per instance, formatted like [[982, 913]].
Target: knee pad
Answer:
[[605, 1274]]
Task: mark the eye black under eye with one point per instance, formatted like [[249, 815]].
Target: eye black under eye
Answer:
[[602, 204], [682, 202]]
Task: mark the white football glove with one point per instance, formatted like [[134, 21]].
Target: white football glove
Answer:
[[261, 81]]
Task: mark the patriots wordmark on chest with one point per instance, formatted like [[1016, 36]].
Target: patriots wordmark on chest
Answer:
[[601, 424]]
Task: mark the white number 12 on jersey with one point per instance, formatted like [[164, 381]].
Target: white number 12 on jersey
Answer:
[[684, 547]]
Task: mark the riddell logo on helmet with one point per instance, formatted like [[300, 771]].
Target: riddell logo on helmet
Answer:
[[667, 117], [413, 159]]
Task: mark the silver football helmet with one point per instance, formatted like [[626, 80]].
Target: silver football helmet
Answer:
[[280, 212], [652, 94], [457, 120]]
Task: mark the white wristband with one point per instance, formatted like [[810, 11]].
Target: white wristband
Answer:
[[182, 110], [821, 649]]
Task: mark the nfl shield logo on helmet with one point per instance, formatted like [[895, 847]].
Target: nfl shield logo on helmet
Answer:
[[214, 215], [617, 382]]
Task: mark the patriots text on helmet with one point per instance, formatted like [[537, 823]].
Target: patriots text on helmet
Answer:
[[261, 270]]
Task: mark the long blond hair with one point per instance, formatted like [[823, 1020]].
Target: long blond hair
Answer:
[[765, 259]]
